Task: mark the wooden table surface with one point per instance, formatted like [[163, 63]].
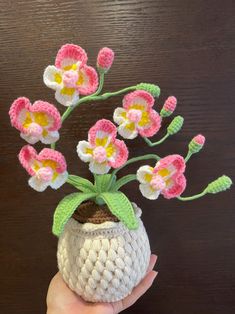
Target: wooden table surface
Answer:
[[187, 47]]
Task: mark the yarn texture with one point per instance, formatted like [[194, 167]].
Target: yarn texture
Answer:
[[103, 262]]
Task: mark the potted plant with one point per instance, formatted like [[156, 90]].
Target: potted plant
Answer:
[[103, 248]]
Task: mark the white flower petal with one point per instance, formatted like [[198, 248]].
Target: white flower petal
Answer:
[[143, 173], [148, 192], [82, 149], [50, 138], [59, 181], [126, 132], [52, 77], [66, 99], [97, 168], [29, 138], [119, 115], [38, 184]]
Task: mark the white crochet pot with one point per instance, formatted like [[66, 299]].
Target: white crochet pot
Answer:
[[103, 262]]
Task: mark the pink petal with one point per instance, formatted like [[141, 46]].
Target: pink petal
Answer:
[[50, 110], [70, 54], [121, 155], [176, 189], [172, 160], [104, 126], [154, 126], [26, 157], [51, 154], [138, 97], [16, 108], [90, 80]]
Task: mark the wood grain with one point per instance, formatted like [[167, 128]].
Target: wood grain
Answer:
[[187, 47]]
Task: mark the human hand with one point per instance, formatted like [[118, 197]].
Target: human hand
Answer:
[[62, 300]]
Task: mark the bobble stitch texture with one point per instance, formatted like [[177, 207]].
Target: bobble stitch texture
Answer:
[[103, 263], [221, 184], [175, 125], [154, 90]]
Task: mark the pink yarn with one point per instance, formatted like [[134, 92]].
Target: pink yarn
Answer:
[[107, 128], [121, 155], [34, 130], [90, 82], [105, 58], [134, 115], [23, 103], [69, 54], [199, 139], [70, 78], [45, 174], [99, 154], [157, 183], [178, 179], [28, 155], [102, 125], [140, 97], [154, 126], [170, 104]]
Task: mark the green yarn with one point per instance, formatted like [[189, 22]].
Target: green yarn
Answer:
[[219, 185], [175, 125], [165, 113], [194, 147], [154, 90], [121, 207]]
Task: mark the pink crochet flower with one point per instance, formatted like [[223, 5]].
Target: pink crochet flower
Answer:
[[103, 150], [105, 59], [137, 116], [165, 178], [48, 168], [71, 75], [38, 122]]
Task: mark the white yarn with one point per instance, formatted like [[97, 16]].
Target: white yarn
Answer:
[[103, 262]]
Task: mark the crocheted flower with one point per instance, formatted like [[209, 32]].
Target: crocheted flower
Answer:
[[169, 106], [103, 150], [38, 122], [165, 178], [105, 59], [137, 115], [48, 168], [71, 75]]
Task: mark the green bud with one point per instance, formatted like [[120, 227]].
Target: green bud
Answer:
[[154, 90], [164, 113], [175, 125], [219, 185]]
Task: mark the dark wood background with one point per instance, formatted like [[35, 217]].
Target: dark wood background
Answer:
[[187, 47]]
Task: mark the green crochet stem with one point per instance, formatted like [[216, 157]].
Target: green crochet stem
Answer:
[[193, 197], [135, 159], [152, 144], [95, 97], [188, 156]]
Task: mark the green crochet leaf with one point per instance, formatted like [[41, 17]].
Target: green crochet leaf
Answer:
[[103, 182], [124, 180], [66, 208], [121, 207], [81, 184]]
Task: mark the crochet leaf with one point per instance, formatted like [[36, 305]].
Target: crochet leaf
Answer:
[[81, 184], [66, 208], [103, 182], [124, 180], [121, 207]]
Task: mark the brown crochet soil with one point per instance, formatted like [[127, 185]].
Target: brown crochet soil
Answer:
[[93, 213]]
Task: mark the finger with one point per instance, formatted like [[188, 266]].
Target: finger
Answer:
[[139, 290], [152, 262]]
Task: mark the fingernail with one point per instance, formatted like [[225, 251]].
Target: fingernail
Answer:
[[155, 274]]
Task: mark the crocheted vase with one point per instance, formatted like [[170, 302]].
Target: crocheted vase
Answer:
[[103, 262]]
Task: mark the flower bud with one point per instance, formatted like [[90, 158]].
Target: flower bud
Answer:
[[175, 125], [219, 185], [154, 90], [168, 107], [105, 59], [196, 143]]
